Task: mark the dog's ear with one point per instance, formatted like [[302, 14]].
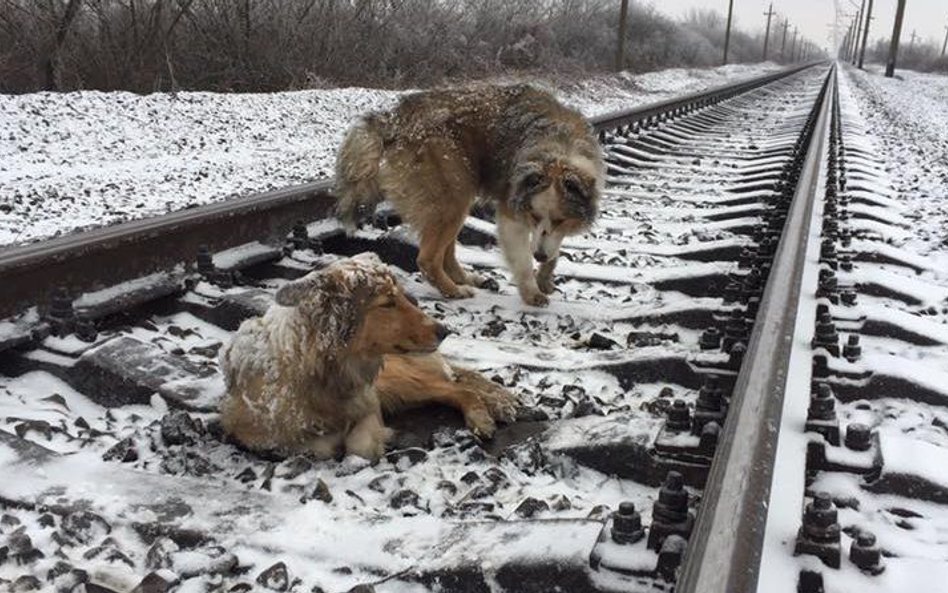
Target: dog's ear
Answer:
[[334, 300], [292, 293]]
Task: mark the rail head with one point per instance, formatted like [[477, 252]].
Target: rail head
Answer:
[[617, 119], [102, 257], [724, 552]]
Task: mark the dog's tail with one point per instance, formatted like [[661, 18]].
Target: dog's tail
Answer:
[[357, 171]]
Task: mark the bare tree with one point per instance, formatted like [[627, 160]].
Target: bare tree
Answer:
[[62, 29], [265, 45]]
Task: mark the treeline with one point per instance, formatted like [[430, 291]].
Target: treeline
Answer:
[[267, 45], [922, 56]]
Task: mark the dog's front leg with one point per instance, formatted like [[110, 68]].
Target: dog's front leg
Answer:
[[545, 276], [367, 438], [514, 238], [550, 248]]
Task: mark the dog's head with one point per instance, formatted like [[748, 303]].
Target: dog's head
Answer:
[[356, 306], [556, 192]]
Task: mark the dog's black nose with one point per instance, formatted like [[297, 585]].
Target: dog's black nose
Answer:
[[442, 332], [540, 256]]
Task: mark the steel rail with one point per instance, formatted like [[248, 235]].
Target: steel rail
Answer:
[[724, 551], [630, 117], [107, 256], [110, 255]]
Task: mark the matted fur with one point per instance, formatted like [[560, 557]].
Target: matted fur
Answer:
[[313, 374], [437, 152]]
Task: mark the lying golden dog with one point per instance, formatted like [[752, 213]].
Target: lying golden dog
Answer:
[[341, 345]]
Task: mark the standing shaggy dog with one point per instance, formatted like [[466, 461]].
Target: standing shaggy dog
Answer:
[[341, 345], [538, 162]]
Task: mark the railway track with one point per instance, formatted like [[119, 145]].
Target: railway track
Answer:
[[697, 414]]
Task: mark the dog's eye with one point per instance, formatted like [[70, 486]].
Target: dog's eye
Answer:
[[557, 221], [573, 187], [532, 180], [389, 305]]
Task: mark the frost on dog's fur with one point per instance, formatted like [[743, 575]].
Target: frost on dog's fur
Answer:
[[538, 162], [291, 386], [308, 318], [305, 377]]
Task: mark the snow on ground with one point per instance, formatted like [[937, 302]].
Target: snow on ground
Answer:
[[897, 133], [450, 503], [79, 160], [908, 119]]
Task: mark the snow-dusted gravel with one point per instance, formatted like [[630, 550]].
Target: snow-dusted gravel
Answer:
[[158, 490], [908, 118], [80, 160], [897, 133]]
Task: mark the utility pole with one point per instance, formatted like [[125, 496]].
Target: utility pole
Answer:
[[727, 34], [862, 10], [912, 43], [845, 45], [894, 45], [793, 45], [620, 50], [852, 40], [943, 45], [842, 46], [865, 35], [768, 14], [783, 48]]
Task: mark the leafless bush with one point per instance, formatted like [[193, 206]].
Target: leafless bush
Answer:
[[263, 45]]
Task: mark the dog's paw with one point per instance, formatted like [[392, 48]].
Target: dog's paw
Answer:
[[492, 406], [367, 438], [371, 449], [480, 422], [502, 405], [545, 284], [481, 281], [536, 299], [474, 279], [460, 291]]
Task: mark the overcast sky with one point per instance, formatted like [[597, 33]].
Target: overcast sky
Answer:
[[927, 18]]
